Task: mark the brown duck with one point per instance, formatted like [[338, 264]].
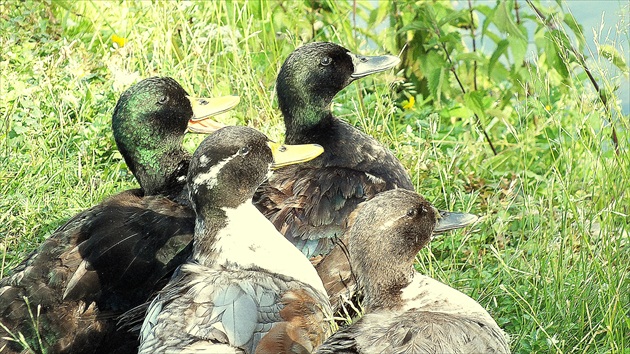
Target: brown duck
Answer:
[[407, 312]]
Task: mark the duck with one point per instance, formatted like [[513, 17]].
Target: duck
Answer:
[[405, 311], [246, 288], [66, 295], [309, 202]]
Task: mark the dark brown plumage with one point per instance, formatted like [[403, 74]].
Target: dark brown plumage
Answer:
[[66, 296], [309, 203]]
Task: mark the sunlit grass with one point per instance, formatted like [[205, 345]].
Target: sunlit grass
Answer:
[[549, 259]]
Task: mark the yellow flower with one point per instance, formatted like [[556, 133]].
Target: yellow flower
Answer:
[[121, 41], [548, 107], [410, 103]]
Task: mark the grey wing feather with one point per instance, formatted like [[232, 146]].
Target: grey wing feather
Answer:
[[418, 332], [217, 308]]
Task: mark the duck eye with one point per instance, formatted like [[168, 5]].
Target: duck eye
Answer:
[[244, 150], [162, 100], [325, 61], [412, 212]]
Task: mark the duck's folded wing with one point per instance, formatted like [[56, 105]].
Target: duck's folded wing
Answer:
[[99, 264], [31, 297], [232, 310], [208, 311], [422, 332], [134, 246], [310, 205], [342, 342]]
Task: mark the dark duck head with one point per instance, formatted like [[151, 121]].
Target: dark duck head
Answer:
[[311, 77], [149, 123], [309, 203], [111, 257], [227, 168]]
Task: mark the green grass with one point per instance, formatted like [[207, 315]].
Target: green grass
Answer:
[[550, 259]]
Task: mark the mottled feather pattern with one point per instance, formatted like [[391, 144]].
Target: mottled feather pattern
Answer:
[[36, 285], [417, 331], [311, 201], [307, 204], [80, 274], [236, 307], [336, 273]]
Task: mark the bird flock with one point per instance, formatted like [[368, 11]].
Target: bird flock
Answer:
[[248, 245]]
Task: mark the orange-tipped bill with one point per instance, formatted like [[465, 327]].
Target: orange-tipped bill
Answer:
[[204, 108]]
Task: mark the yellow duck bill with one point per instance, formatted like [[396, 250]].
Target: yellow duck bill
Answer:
[[284, 155], [204, 108]]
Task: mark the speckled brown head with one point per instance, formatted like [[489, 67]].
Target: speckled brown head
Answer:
[[385, 235]]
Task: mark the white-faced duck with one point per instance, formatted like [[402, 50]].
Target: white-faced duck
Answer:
[[246, 288]]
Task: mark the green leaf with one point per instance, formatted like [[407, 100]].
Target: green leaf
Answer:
[[460, 112], [518, 47], [612, 54], [501, 49], [577, 29], [504, 20], [474, 101], [452, 16], [435, 79]]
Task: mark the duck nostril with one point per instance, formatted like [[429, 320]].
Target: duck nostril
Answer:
[[203, 102], [363, 59]]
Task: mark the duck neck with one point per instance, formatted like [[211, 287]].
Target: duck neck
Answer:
[[305, 117], [207, 228], [159, 171], [382, 286]]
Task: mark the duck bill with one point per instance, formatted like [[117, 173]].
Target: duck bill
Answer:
[[451, 221], [284, 155], [367, 65], [204, 108]]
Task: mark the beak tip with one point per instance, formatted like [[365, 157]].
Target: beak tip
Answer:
[[451, 221]]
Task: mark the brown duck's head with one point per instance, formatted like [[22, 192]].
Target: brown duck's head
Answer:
[[385, 235]]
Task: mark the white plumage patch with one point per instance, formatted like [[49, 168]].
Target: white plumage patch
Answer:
[[210, 178], [203, 160], [250, 241], [428, 294]]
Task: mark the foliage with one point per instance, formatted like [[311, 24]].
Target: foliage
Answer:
[[550, 257]]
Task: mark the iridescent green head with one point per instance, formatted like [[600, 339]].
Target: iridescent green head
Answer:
[[311, 77], [149, 123]]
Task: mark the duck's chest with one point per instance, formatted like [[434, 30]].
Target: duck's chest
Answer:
[[427, 294], [250, 242]]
